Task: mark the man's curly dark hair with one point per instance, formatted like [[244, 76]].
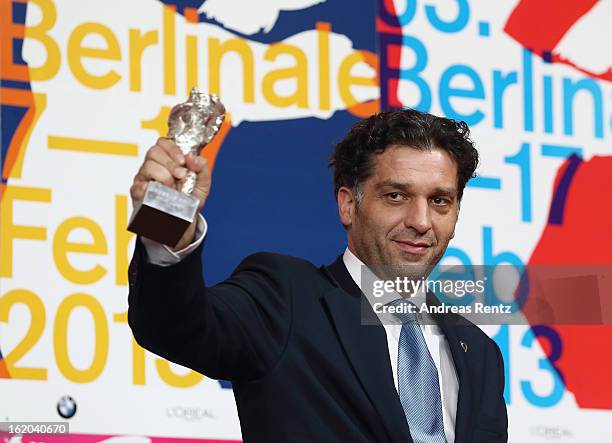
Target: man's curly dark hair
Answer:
[[353, 157]]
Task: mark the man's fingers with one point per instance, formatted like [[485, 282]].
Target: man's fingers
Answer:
[[165, 164], [152, 170], [137, 191], [171, 149], [199, 165], [194, 163], [159, 155]]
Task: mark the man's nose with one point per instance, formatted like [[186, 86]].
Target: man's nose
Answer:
[[418, 215]]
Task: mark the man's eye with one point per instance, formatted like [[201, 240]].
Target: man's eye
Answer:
[[394, 196], [440, 201]]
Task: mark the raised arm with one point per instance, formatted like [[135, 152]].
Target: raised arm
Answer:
[[235, 330]]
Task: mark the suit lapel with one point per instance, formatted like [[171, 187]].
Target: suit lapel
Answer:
[[449, 325], [367, 350]]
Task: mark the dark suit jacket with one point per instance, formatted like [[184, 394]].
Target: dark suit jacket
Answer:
[[289, 337]]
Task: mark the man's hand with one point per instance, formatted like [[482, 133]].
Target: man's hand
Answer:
[[166, 164]]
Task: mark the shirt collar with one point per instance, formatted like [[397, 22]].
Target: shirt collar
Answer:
[[355, 266]]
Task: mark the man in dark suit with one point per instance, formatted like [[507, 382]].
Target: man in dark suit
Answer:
[[291, 336]]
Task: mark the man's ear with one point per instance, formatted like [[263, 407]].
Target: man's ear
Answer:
[[346, 206]]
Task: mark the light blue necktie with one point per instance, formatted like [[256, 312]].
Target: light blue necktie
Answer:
[[417, 381]]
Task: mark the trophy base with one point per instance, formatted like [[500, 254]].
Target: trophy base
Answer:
[[164, 214]]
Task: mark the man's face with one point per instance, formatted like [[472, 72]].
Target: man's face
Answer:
[[408, 210]]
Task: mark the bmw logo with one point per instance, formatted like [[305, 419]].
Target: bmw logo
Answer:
[[66, 406]]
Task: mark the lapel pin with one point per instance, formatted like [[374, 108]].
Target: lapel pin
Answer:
[[463, 345]]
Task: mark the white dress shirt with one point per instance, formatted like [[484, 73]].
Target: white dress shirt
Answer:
[[434, 338]]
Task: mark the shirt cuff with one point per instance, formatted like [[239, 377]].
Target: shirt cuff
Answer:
[[162, 255]]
